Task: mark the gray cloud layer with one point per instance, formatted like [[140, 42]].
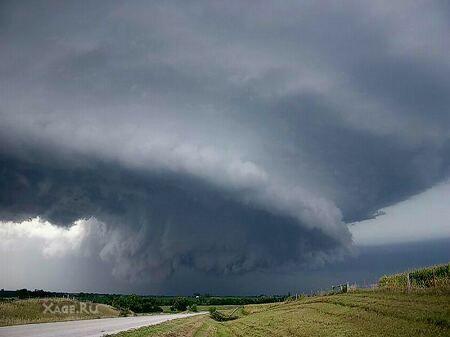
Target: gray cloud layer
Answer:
[[223, 137]]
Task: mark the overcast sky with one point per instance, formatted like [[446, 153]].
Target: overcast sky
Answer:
[[173, 146]]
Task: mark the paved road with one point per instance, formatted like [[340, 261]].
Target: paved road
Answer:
[[85, 328]]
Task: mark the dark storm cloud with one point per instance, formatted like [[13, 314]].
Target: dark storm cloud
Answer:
[[158, 223], [278, 122]]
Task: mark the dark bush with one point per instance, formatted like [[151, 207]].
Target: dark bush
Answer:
[[180, 304]]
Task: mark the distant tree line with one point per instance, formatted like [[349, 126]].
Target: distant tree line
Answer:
[[141, 304]]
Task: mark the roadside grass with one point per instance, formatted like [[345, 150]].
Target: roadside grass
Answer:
[[358, 313], [224, 308], [218, 307], [27, 311], [174, 328], [166, 308]]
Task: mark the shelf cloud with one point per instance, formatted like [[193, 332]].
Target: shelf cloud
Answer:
[[225, 138]]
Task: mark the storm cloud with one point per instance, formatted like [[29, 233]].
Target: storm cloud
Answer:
[[220, 137]]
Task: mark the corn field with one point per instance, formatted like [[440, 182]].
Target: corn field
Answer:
[[429, 277]]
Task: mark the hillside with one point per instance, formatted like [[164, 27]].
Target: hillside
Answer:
[[51, 310], [359, 313]]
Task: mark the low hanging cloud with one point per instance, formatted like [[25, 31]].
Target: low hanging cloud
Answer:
[[148, 226], [207, 137]]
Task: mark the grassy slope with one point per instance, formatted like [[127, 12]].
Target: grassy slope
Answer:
[[362, 313], [31, 311]]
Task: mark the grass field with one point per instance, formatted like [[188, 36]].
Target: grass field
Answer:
[[32, 311], [359, 313]]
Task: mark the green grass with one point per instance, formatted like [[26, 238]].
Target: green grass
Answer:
[[166, 308], [359, 313], [428, 277], [15, 312]]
